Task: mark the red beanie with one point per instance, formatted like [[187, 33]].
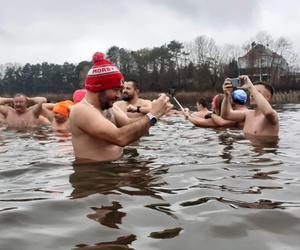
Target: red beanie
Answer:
[[103, 75]]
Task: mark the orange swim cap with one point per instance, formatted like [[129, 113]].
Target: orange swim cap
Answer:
[[63, 108]]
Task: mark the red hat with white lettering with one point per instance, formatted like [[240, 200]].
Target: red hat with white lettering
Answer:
[[103, 75]]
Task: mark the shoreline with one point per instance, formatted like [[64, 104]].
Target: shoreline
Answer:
[[289, 96]]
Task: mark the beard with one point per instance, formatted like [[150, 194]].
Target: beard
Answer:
[[126, 97], [104, 101], [20, 109], [106, 104]]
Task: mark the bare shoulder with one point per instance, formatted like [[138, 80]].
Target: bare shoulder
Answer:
[[120, 103], [144, 102], [80, 111], [83, 115]]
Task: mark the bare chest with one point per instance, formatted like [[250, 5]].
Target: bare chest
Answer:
[[16, 120], [258, 125]]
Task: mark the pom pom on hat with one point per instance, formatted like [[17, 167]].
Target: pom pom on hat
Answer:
[[98, 56], [239, 96], [103, 75]]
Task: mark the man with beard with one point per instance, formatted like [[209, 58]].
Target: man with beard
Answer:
[[20, 116], [262, 121], [99, 130], [132, 104]]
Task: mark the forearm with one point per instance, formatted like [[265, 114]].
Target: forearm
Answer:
[[226, 108], [144, 109], [37, 100], [198, 121], [218, 120], [37, 110], [262, 104], [5, 101], [133, 131]]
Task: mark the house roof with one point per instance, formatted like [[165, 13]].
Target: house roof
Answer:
[[260, 50]]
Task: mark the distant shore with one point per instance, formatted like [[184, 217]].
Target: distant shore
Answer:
[[191, 97]]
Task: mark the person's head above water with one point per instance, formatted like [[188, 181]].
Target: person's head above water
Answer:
[[20, 103], [61, 110], [103, 75], [78, 95], [217, 103], [239, 96], [130, 90], [201, 103]]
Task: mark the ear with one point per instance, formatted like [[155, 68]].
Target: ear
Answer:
[[268, 96]]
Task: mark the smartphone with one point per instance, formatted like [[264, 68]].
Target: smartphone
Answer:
[[235, 82]]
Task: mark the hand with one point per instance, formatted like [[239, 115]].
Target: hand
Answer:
[[186, 114], [161, 106], [131, 108], [227, 87], [247, 84]]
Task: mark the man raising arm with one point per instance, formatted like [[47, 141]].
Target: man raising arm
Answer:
[[96, 136], [20, 116], [132, 104], [263, 119]]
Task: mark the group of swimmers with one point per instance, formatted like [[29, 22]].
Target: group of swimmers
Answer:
[[101, 125]]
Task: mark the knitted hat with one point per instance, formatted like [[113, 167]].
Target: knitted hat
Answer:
[[78, 95], [239, 96], [63, 108], [103, 75]]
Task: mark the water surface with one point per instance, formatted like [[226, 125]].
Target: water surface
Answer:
[[181, 187]]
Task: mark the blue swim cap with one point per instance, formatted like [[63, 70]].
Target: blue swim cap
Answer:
[[239, 96]]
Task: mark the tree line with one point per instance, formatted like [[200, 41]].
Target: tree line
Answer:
[[198, 65]]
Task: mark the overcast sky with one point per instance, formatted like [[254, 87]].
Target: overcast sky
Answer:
[[63, 30]]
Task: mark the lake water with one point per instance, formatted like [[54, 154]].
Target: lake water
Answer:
[[181, 187]]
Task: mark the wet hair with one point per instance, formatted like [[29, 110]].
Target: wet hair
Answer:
[[136, 85], [268, 86], [203, 102]]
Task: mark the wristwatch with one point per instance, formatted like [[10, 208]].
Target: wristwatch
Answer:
[[152, 119]]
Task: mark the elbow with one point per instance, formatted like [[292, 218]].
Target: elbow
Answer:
[[121, 141], [225, 115], [43, 99]]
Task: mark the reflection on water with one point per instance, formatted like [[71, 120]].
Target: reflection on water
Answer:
[[180, 187], [132, 178], [119, 244]]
